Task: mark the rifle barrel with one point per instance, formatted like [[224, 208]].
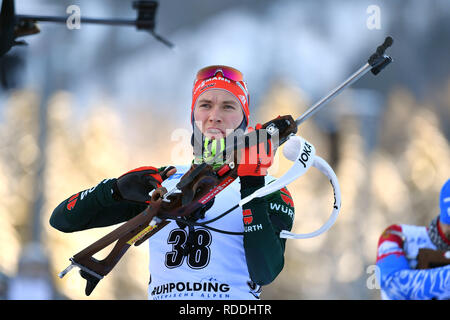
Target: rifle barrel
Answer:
[[118, 22]]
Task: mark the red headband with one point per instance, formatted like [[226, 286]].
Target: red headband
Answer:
[[237, 88]]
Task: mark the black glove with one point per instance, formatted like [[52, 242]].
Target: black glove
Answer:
[[135, 185]]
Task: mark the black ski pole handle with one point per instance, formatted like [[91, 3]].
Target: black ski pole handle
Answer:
[[378, 61]]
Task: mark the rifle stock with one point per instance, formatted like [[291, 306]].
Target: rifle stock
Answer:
[[131, 232], [429, 258]]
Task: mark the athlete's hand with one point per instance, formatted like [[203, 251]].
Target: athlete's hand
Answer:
[[135, 185], [255, 160]]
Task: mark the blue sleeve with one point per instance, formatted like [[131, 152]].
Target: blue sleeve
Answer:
[[400, 282]]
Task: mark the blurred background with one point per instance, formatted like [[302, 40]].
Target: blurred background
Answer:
[[78, 106]]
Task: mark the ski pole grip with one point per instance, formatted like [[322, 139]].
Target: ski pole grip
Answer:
[[386, 44], [378, 61]]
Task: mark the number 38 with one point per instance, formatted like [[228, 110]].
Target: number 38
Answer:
[[199, 255]]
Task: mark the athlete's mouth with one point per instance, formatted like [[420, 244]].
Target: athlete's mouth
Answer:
[[215, 131]]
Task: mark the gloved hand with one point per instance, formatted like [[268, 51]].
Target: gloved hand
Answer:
[[135, 185], [255, 160]]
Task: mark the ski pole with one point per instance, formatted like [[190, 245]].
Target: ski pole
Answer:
[[375, 63]]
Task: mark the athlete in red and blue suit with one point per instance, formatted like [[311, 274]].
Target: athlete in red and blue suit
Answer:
[[398, 248]]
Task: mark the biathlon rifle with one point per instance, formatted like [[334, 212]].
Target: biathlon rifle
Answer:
[[14, 26]]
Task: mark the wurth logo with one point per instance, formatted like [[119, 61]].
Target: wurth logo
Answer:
[[248, 218]]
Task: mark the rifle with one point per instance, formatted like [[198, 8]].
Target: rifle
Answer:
[[429, 258], [14, 26], [201, 183]]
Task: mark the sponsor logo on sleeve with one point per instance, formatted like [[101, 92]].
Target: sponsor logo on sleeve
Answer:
[[248, 218], [72, 201], [286, 196]]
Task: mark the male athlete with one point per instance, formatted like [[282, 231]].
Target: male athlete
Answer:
[[188, 262]]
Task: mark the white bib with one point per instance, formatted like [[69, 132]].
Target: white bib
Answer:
[[216, 268]]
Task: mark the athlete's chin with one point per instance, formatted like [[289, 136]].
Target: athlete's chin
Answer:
[[214, 135]]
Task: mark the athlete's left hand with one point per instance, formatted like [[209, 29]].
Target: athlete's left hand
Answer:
[[135, 185], [256, 160]]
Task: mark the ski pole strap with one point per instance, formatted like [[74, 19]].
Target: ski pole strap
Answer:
[[325, 168], [303, 154]]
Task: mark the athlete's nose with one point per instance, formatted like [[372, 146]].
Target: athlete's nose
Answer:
[[214, 114]]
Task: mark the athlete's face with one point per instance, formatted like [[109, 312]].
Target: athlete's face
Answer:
[[217, 112]]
